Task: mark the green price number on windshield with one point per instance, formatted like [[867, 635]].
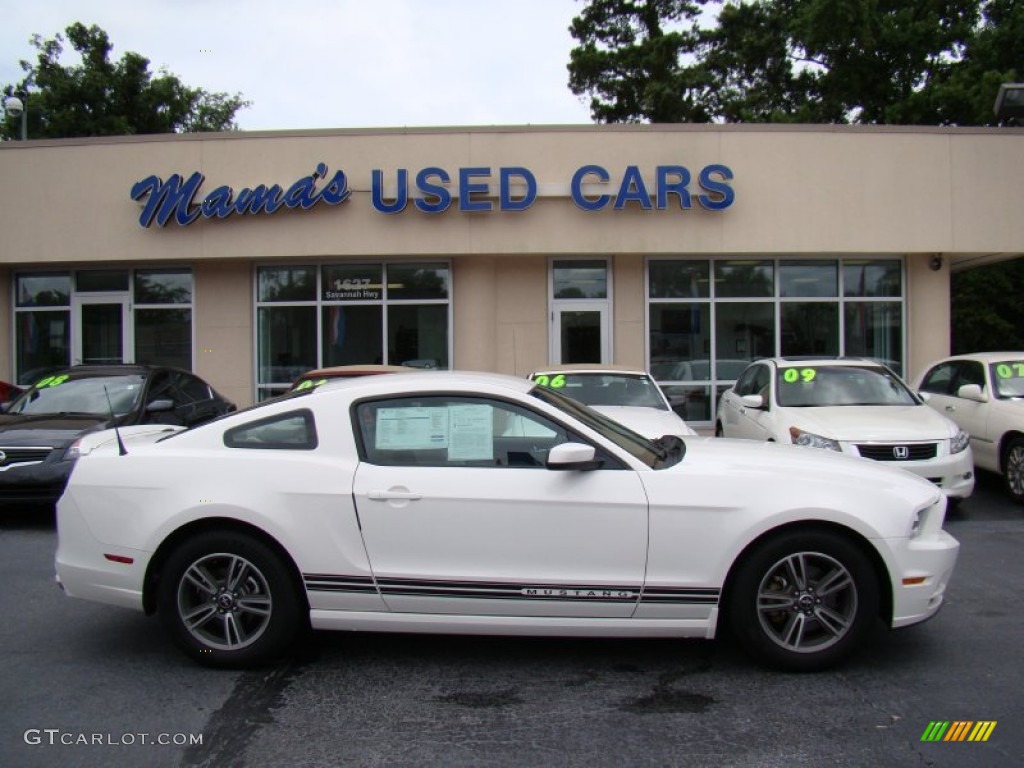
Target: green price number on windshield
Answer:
[[1009, 370], [310, 384], [52, 381], [793, 375], [555, 382]]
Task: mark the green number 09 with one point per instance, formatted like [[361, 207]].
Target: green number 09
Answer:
[[793, 375]]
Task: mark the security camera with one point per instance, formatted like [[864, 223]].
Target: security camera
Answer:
[[13, 106]]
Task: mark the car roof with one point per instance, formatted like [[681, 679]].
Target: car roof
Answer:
[[985, 357], [356, 370], [428, 381], [817, 361], [119, 369], [590, 368]]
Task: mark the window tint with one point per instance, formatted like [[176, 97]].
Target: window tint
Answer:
[[939, 380], [295, 430], [455, 432]]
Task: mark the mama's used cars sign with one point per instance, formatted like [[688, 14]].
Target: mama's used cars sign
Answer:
[[434, 190]]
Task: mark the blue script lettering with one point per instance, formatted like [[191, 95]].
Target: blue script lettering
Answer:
[[177, 197]]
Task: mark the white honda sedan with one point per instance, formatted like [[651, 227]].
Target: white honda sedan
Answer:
[[417, 503], [984, 394], [850, 405]]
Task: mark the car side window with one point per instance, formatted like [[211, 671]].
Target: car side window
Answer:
[[747, 382], [971, 372], [192, 389], [451, 431], [293, 431], [939, 380]]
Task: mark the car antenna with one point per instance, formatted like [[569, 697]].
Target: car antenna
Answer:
[[121, 450]]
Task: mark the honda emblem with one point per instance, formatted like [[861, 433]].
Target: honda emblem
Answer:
[[901, 452]]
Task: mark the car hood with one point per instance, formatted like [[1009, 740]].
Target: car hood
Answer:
[[731, 468], [649, 422], [874, 422], [47, 428]]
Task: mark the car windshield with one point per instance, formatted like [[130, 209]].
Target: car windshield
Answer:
[[606, 388], [88, 395], [1008, 378], [656, 454], [810, 386]]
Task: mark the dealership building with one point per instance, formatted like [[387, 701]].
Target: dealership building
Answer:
[[687, 250]]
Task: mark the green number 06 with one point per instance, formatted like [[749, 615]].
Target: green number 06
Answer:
[[555, 382]]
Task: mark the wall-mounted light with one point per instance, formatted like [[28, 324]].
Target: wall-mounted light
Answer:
[[936, 263]]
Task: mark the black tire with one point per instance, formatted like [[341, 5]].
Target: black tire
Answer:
[[1013, 469], [719, 431], [779, 612], [251, 610]]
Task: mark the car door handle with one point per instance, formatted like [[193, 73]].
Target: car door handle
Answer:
[[951, 408], [389, 495]]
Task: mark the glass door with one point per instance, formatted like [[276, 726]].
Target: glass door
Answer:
[[580, 333], [101, 329]]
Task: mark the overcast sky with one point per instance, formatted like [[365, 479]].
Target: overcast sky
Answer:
[[337, 63]]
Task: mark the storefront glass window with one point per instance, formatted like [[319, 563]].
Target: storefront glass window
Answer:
[[872, 278], [701, 338], [417, 281], [287, 343], [164, 337], [808, 278], [810, 328], [43, 343], [740, 279], [349, 314], [43, 290], [163, 286], [352, 334], [418, 335], [680, 279], [875, 329], [287, 284], [580, 279], [101, 280]]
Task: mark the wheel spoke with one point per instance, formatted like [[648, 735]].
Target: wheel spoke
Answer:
[[237, 571], [202, 614], [832, 621], [201, 579], [232, 630], [793, 633], [255, 604], [774, 601], [835, 581], [797, 570]]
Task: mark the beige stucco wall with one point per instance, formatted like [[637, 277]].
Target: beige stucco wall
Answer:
[[223, 328], [928, 312], [6, 332]]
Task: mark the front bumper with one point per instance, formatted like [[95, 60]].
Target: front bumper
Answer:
[[30, 484], [951, 474], [924, 566]]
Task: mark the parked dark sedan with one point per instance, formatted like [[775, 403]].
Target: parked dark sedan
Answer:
[[37, 428]]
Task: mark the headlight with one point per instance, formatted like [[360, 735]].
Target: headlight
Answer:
[[74, 451], [959, 443], [812, 440]]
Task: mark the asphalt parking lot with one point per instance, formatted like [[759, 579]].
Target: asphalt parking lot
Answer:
[[89, 685]]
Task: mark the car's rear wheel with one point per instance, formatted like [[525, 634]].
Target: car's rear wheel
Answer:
[[1013, 469], [719, 430], [803, 601], [229, 600]]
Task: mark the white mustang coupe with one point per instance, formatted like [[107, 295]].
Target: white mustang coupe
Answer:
[[484, 504]]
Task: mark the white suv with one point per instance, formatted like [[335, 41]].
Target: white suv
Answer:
[[851, 405]]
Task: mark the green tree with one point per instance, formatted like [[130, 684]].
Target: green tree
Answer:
[[911, 62], [99, 97], [985, 308]]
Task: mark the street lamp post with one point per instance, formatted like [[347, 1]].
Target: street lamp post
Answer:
[[16, 105]]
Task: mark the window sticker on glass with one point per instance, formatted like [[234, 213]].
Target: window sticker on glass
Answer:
[[52, 381], [555, 382], [794, 375], [407, 429], [471, 433], [310, 384], [1010, 370]]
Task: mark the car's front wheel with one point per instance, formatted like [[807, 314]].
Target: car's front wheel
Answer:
[[1013, 469], [229, 600], [803, 601]]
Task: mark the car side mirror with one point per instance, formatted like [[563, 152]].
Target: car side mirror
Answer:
[[160, 405], [573, 456], [972, 392], [752, 401]]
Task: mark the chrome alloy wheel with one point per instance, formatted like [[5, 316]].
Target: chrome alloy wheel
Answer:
[[224, 601], [807, 602]]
